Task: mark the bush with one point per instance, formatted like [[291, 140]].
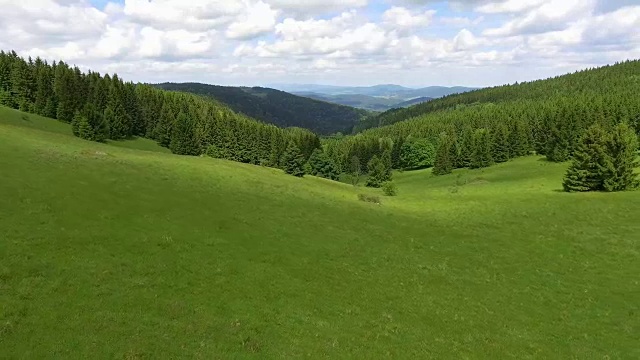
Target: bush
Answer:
[[389, 189], [369, 198]]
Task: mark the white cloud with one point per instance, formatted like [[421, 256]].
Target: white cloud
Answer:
[[258, 19], [399, 17], [313, 7], [250, 41], [550, 15]]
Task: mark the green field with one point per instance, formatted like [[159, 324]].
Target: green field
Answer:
[[121, 252]]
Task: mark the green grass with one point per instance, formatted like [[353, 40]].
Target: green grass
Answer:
[[110, 252]]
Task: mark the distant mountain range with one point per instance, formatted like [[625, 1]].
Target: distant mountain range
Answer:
[[376, 98], [278, 107]]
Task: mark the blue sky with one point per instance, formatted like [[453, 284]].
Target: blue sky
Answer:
[[341, 42]]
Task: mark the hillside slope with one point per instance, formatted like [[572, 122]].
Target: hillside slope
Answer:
[[587, 82], [110, 252], [278, 107]]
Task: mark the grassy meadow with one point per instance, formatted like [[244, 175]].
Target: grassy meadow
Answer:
[[120, 250]]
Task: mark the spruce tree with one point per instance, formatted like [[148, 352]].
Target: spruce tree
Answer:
[[388, 162], [183, 140], [378, 172], [481, 155], [622, 149], [355, 170], [120, 124], [501, 148], [591, 164], [321, 165], [293, 160], [85, 131], [75, 124], [444, 156], [465, 150]]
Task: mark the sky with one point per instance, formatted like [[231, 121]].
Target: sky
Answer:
[[337, 42]]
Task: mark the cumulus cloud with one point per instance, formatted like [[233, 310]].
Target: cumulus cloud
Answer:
[[399, 17], [249, 40], [258, 19]]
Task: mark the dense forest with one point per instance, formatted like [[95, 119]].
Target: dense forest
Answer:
[[105, 107], [488, 126], [278, 107]]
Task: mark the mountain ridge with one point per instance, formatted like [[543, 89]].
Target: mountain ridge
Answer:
[[277, 107]]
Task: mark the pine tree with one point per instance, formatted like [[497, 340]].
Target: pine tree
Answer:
[[444, 156], [519, 139], [321, 165], [622, 149], [481, 156], [501, 151], [85, 131], [378, 172], [465, 150], [75, 124], [591, 164], [164, 126], [119, 125], [355, 170], [183, 136], [388, 162], [293, 160]]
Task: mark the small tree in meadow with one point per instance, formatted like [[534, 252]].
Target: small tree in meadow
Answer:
[[389, 188], [378, 172]]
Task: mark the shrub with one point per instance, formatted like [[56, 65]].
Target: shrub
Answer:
[[369, 198], [389, 188]]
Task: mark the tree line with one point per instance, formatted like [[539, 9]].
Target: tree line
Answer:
[[101, 107]]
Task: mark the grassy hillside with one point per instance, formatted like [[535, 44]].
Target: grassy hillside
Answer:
[[109, 252], [278, 107]]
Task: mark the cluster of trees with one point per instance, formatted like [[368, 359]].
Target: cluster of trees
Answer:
[[278, 107], [480, 128], [604, 161], [104, 107]]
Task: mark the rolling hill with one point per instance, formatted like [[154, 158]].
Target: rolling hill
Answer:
[[278, 107], [122, 252], [375, 98]]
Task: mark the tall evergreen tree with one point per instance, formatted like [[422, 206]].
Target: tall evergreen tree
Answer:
[[321, 165], [591, 164], [378, 172], [465, 150], [622, 149], [481, 156], [293, 160], [444, 156], [183, 136], [501, 150]]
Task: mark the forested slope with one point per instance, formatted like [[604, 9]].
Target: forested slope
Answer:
[[278, 107], [495, 125], [105, 107], [587, 82]]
